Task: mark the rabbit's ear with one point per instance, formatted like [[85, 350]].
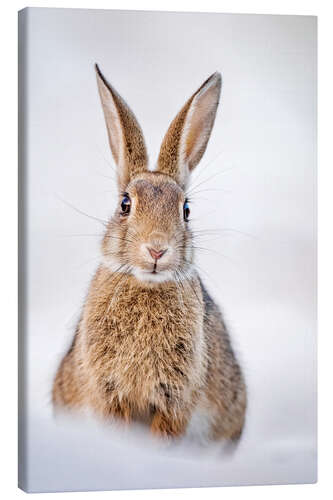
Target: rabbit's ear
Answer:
[[186, 139], [125, 135]]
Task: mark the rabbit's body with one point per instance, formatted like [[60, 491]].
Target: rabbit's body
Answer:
[[141, 352], [151, 344]]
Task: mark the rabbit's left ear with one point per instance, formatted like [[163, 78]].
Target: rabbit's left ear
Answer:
[[186, 139]]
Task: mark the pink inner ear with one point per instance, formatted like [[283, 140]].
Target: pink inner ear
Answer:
[[186, 139], [199, 124], [125, 135], [193, 143]]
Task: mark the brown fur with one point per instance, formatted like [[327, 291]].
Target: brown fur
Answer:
[[149, 349]]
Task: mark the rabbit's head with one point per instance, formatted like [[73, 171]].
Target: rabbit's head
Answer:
[[149, 234]]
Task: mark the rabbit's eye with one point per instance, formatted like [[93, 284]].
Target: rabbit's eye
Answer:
[[186, 210], [125, 205]]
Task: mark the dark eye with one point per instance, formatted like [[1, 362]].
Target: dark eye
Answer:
[[186, 210], [125, 205]]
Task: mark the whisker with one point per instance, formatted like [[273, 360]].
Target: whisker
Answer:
[[120, 238], [101, 221], [195, 186], [74, 235], [114, 294], [180, 284], [224, 230], [109, 163], [203, 249], [204, 167], [221, 172], [213, 190], [107, 177], [189, 280], [91, 259]]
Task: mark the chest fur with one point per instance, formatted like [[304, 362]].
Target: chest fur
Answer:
[[147, 341]]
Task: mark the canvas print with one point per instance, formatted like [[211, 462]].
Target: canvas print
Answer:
[[167, 249]]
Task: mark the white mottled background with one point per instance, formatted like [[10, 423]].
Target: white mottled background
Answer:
[[255, 186]]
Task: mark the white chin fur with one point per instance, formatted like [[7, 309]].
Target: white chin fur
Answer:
[[148, 277], [141, 275]]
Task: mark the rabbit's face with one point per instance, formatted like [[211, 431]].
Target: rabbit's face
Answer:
[[149, 234]]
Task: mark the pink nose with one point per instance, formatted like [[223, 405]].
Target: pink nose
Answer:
[[156, 254]]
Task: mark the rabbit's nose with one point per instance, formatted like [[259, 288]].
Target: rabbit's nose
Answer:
[[156, 254]]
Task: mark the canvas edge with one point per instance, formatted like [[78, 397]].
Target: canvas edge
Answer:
[[22, 268]]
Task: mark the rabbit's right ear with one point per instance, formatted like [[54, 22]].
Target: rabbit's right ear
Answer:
[[186, 139], [125, 135]]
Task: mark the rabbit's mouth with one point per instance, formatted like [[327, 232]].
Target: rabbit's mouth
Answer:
[[154, 271]]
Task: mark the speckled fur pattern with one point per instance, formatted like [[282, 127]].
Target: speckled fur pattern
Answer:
[[151, 344]]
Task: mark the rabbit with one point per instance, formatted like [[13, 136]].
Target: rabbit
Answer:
[[151, 345]]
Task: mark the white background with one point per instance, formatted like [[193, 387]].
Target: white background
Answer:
[[224, 129], [255, 186]]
